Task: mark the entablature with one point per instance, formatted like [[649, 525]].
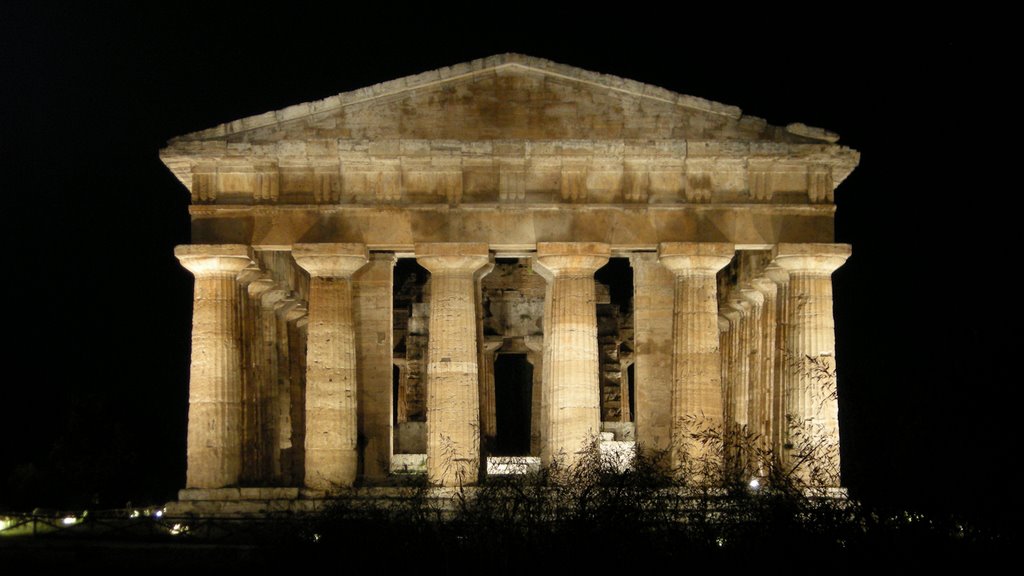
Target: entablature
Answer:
[[455, 172]]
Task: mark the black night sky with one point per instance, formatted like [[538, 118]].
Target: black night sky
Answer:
[[93, 399]]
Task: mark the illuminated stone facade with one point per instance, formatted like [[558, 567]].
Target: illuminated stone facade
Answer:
[[414, 277]]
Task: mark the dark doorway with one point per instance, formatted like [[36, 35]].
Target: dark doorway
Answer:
[[513, 391]]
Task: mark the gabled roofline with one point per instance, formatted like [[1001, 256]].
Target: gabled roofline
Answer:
[[471, 68]]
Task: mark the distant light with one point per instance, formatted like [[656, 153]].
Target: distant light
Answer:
[[69, 520], [755, 484], [159, 514], [3, 525], [179, 529], [720, 541], [316, 537], [135, 514]]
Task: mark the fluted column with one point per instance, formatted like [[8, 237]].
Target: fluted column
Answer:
[[740, 385], [653, 298], [293, 426], [535, 356], [331, 457], [571, 361], [488, 406], [215, 378], [755, 300], [765, 385], [250, 348], [269, 391], [372, 297], [732, 354], [453, 402], [811, 403], [780, 382], [696, 373]]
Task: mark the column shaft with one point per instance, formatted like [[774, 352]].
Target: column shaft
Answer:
[[780, 277], [215, 380], [374, 364], [696, 376], [488, 406], [653, 297], [453, 404], [571, 360], [535, 356], [331, 391], [764, 389], [811, 402]]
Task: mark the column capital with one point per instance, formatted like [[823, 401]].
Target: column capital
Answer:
[[257, 286], [752, 295], [739, 304], [453, 256], [765, 285], [731, 313], [776, 274], [296, 313], [811, 258], [284, 307], [214, 259], [701, 257], [558, 258], [250, 275], [723, 323], [330, 260], [534, 342]]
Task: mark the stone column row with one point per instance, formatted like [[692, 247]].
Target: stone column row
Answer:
[[791, 316]]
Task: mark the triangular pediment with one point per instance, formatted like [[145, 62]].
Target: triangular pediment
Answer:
[[508, 96]]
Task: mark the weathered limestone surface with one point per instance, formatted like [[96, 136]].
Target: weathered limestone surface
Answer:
[[811, 403], [250, 348], [513, 228], [570, 347], [453, 405], [488, 408], [696, 380], [535, 356], [780, 277], [331, 391], [270, 394], [764, 387], [510, 126], [294, 422], [215, 380], [320, 358], [372, 295], [654, 294]]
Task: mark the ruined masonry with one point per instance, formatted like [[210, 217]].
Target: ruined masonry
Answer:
[[480, 269]]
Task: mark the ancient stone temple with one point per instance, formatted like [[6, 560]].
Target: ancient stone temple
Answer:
[[486, 267]]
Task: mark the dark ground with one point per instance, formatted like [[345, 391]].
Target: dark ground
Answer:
[[94, 394]]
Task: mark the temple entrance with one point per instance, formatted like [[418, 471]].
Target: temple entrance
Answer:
[[513, 391]]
